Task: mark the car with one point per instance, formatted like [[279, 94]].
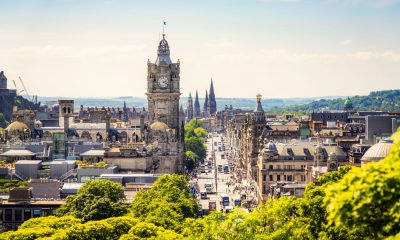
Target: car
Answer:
[[228, 208], [203, 194], [209, 186]]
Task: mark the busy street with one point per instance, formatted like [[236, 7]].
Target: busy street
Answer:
[[219, 182]]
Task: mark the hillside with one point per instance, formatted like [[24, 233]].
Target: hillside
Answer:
[[380, 100], [7, 104]]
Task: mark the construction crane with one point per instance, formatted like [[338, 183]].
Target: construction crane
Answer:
[[16, 88], [26, 91]]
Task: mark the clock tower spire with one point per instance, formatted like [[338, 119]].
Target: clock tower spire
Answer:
[[163, 91]]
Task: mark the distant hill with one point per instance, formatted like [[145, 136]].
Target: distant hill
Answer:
[[244, 103], [380, 100]]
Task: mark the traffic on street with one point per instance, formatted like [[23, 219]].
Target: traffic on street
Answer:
[[219, 182]]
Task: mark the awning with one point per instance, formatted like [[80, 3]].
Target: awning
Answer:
[[17, 153], [93, 153]]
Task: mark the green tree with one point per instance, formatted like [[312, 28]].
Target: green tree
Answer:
[[196, 145], [191, 160], [366, 201], [167, 203], [95, 200]]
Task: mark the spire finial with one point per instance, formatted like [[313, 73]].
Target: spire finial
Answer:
[[163, 29]]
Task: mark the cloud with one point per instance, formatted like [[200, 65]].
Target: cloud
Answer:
[[221, 43], [346, 42], [390, 56], [70, 51]]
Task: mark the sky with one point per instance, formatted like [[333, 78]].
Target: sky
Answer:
[[278, 48]]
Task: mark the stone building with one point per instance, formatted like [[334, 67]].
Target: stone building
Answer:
[[6, 97], [288, 163], [164, 134]]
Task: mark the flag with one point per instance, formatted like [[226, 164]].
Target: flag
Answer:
[[165, 23]]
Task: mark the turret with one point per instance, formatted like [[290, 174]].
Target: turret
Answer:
[[259, 111]]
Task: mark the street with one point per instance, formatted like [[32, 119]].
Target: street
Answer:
[[231, 182]]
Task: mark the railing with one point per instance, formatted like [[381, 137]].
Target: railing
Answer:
[[68, 174], [20, 176]]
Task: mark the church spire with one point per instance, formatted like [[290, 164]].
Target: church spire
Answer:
[[190, 107], [125, 112], [212, 103], [205, 106], [196, 110]]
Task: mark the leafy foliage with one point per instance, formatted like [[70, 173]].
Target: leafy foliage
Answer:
[[167, 203], [7, 184], [379, 100], [195, 136], [367, 200], [96, 199], [352, 203]]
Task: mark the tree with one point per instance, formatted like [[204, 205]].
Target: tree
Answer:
[[196, 145], [3, 121], [191, 160], [167, 203], [367, 200], [95, 200]]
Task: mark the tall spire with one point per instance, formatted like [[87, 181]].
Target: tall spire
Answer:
[[205, 106], [196, 110], [190, 108], [212, 103], [181, 115], [125, 112], [259, 111], [163, 50]]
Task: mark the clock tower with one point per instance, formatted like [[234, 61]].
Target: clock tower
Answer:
[[164, 135], [163, 90]]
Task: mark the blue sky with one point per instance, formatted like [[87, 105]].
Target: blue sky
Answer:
[[279, 48]]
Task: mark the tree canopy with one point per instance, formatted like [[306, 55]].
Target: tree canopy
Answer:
[[167, 203], [195, 136], [95, 200], [351, 203]]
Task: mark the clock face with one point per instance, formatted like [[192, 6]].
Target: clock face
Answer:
[[163, 81]]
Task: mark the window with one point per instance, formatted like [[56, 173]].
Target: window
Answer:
[[18, 215], [289, 178], [27, 214], [271, 178], [271, 167], [264, 177], [8, 215], [278, 178], [37, 213], [303, 178]]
